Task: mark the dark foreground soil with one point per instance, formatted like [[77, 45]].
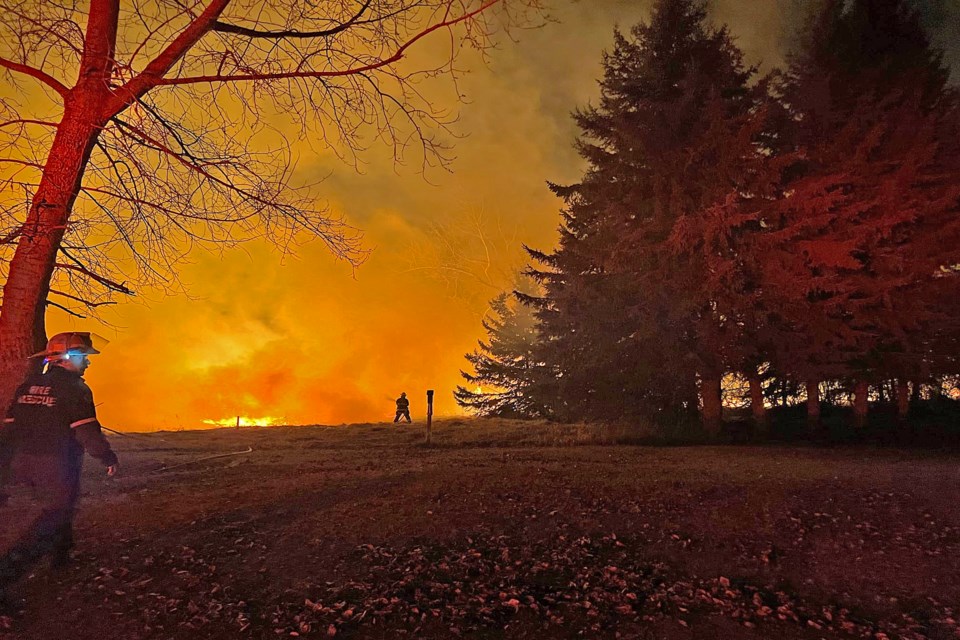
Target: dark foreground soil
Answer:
[[499, 530]]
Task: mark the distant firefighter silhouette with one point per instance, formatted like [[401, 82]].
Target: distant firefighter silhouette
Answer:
[[403, 408]]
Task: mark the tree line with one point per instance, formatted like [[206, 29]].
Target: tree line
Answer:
[[797, 231]]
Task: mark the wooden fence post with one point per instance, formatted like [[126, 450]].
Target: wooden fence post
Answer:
[[429, 412]]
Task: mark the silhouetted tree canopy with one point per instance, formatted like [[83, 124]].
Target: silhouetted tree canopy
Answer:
[[505, 368], [800, 231], [625, 319]]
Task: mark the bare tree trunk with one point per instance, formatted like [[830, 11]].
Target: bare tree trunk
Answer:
[[903, 400], [915, 392], [860, 406], [936, 389], [813, 405], [757, 407], [28, 280], [712, 404]]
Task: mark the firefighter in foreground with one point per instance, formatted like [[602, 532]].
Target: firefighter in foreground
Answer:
[[403, 408], [50, 423]]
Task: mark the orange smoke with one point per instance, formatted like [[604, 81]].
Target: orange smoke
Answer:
[[307, 341]]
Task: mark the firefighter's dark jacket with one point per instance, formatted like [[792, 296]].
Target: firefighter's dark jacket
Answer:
[[52, 414]]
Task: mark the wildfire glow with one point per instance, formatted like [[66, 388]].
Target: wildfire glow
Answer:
[[309, 340], [244, 421]]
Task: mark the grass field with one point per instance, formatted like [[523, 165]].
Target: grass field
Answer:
[[499, 530]]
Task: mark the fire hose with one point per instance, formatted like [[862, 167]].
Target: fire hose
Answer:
[[249, 449], [204, 458]]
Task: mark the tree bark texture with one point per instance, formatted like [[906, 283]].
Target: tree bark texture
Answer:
[[915, 391], [903, 400], [936, 389], [860, 405], [28, 282], [712, 404], [757, 407], [813, 404]]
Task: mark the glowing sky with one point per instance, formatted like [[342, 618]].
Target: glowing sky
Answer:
[[307, 341]]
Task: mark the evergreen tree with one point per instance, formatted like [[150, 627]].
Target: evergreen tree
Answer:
[[625, 319], [848, 237], [853, 256], [504, 367]]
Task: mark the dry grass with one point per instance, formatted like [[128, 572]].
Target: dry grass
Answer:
[[523, 433], [869, 538]]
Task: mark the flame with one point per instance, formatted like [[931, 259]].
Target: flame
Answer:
[[266, 421]]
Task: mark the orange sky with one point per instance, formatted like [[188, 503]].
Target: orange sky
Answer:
[[304, 340]]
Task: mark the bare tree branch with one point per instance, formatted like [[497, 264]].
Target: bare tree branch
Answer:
[[67, 310], [13, 235], [23, 121], [372, 66], [84, 301], [77, 266], [37, 74], [160, 65], [224, 27], [24, 163]]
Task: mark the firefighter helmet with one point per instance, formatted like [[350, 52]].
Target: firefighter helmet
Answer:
[[70, 342]]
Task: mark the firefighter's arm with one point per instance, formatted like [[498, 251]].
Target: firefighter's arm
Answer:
[[86, 429], [91, 438]]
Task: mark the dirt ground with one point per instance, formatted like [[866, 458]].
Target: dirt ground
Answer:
[[498, 530]]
